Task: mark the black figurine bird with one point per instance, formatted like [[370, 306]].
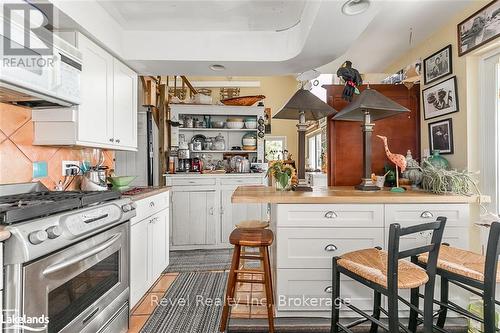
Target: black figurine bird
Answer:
[[352, 80]]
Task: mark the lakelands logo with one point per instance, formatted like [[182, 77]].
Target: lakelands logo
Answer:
[[26, 28], [11, 320]]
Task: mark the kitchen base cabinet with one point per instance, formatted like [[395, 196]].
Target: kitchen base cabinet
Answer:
[[307, 236], [202, 215], [149, 245], [194, 217]]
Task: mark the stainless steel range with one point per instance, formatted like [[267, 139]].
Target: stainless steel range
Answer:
[[67, 259]]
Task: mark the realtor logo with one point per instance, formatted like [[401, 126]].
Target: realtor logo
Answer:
[[12, 321], [26, 29]]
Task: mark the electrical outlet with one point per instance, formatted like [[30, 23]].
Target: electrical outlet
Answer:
[[69, 168]]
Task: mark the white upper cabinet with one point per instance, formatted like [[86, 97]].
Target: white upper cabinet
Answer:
[[124, 105], [107, 115], [95, 114]]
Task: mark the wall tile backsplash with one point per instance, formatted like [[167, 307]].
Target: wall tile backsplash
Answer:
[[17, 153]]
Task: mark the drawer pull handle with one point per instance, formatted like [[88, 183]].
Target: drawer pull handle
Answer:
[[328, 290], [331, 215], [330, 248], [426, 215]]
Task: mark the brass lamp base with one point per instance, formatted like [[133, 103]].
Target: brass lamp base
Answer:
[[367, 185]]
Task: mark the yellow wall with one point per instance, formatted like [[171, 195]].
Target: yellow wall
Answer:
[[278, 90], [438, 40], [465, 122]]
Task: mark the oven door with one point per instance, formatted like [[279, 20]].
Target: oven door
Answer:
[[81, 287]]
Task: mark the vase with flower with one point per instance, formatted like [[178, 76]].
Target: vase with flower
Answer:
[[282, 174]]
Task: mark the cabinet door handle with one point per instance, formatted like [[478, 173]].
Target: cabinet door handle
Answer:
[[331, 248], [222, 210], [331, 215], [426, 215], [117, 140], [111, 140], [328, 290], [211, 211], [151, 204]]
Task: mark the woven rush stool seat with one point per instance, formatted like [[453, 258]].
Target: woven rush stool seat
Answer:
[[461, 262], [371, 264], [253, 224]]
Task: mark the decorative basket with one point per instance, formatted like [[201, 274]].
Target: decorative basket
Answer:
[[243, 100]]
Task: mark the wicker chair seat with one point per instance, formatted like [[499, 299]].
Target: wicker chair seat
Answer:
[[371, 264], [461, 262]]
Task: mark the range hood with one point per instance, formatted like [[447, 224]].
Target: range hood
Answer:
[[24, 97]]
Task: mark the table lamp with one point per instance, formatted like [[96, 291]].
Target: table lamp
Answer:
[[304, 106], [369, 106]]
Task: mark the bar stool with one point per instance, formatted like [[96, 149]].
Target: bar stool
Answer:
[[251, 238], [385, 273], [252, 224], [473, 272]]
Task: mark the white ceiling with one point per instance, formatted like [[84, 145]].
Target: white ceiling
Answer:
[[255, 37], [208, 15], [388, 34]]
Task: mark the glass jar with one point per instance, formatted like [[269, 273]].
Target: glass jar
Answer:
[[438, 161], [219, 143]]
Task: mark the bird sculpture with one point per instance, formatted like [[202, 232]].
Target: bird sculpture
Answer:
[[398, 159], [352, 80]]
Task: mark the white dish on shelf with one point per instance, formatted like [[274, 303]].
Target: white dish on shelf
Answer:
[[235, 124], [251, 124]]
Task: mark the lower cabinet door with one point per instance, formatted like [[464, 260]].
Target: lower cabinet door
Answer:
[[139, 261], [194, 217], [159, 248]]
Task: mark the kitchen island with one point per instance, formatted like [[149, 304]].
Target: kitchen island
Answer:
[[312, 227]]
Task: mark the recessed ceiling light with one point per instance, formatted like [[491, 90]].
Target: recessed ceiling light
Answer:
[[355, 7], [217, 68]]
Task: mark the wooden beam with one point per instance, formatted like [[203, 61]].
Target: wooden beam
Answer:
[[190, 86], [163, 162]]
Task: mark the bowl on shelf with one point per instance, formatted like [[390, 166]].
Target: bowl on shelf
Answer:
[[121, 181], [249, 140], [243, 100], [218, 124], [251, 123], [249, 147], [235, 123]]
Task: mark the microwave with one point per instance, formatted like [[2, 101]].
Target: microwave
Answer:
[[42, 81]]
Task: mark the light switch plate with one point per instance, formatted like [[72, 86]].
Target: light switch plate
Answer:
[[40, 169]]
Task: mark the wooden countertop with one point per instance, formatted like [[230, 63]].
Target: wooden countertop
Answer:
[[340, 195]]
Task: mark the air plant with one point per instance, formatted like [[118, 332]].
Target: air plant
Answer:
[[442, 181]]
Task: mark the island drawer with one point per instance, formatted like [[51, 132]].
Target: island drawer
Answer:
[[242, 181], [310, 290], [315, 247], [409, 214], [330, 215], [192, 181]]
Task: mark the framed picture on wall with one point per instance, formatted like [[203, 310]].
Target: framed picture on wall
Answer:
[[438, 65], [480, 28], [441, 136], [440, 99]]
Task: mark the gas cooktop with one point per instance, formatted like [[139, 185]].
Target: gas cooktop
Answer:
[[21, 207]]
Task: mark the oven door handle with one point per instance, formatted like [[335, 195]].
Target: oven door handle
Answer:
[[95, 250]]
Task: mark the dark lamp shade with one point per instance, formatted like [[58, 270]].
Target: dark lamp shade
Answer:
[[371, 101], [303, 100]]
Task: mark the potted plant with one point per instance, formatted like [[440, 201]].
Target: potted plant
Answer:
[[282, 174]]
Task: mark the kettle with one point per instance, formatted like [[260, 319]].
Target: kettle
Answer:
[[94, 180]]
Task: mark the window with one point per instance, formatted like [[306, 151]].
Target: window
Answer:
[[314, 152], [274, 148], [489, 124]]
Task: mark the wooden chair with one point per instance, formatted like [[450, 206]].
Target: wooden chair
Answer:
[[386, 273], [470, 271], [250, 238]]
